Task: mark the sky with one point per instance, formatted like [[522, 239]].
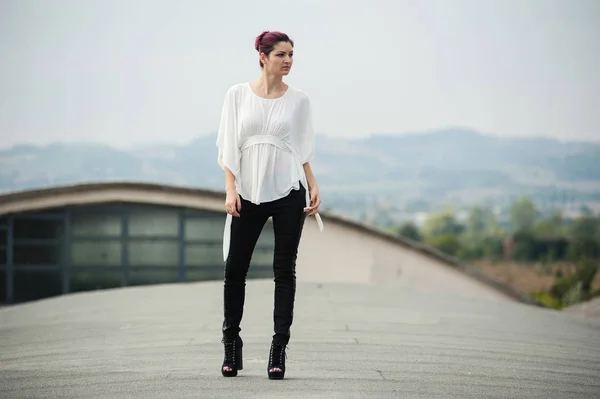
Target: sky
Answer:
[[124, 72]]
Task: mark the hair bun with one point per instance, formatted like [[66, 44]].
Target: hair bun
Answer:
[[259, 39]]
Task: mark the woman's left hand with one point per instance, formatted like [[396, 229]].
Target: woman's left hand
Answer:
[[315, 200]]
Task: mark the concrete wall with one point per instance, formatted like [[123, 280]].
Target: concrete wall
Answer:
[[343, 252]]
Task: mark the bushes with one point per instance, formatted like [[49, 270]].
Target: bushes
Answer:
[[531, 238], [529, 247], [446, 243], [569, 290], [476, 248], [546, 299], [584, 247], [526, 237], [410, 231]]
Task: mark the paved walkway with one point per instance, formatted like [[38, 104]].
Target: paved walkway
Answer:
[[348, 342]]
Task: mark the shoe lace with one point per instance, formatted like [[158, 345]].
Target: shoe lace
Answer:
[[229, 349], [278, 351]]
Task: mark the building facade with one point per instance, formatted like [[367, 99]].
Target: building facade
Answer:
[[87, 247]]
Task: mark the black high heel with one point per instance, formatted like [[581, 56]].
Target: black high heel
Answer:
[[233, 356], [277, 358]]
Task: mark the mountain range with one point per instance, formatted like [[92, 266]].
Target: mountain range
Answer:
[[417, 170]]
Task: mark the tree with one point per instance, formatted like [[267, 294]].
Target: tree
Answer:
[[523, 214], [577, 287], [477, 223], [551, 227], [447, 243], [585, 238], [483, 236], [441, 231], [441, 223], [584, 227], [409, 230]]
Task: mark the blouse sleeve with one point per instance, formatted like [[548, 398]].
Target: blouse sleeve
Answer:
[[227, 139], [307, 134]]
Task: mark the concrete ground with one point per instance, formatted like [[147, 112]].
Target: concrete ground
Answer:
[[348, 341]]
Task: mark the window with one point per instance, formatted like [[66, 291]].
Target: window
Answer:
[[38, 229], [96, 253], [205, 229], [153, 222], [262, 257], [38, 255], [95, 224], [203, 255], [153, 253], [3, 236]]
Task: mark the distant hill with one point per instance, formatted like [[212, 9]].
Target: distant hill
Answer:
[[436, 167]]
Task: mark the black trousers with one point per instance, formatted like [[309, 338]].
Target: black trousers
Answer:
[[288, 220]]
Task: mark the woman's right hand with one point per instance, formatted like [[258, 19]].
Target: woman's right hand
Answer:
[[233, 204]]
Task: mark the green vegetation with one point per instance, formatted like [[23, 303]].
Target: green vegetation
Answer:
[[527, 237]]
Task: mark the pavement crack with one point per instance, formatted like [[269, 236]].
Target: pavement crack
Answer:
[[356, 340], [381, 374]]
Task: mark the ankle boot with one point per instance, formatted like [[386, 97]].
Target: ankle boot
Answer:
[[233, 356], [277, 358]]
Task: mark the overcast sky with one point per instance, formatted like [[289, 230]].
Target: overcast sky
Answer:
[[129, 71]]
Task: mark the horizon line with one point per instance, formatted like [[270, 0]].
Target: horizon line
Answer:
[[463, 129]]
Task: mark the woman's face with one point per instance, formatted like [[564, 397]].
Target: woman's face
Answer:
[[279, 61]]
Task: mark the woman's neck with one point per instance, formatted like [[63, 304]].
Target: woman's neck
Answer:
[[270, 84]]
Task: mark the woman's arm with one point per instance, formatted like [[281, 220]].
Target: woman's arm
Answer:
[[310, 177], [229, 154], [229, 180], [313, 190], [232, 198]]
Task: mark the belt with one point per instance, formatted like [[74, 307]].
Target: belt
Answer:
[[276, 141]]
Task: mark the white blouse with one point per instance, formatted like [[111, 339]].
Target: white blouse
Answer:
[[265, 142]]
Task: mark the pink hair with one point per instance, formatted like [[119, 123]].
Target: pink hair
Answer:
[[266, 41]]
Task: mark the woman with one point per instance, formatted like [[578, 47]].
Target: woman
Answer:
[[266, 143]]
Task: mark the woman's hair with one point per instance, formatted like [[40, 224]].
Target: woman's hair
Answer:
[[265, 42]]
